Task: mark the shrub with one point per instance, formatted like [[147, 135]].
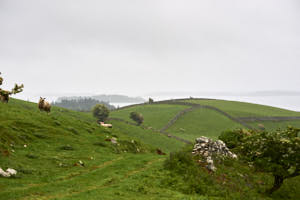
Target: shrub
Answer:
[[274, 152], [185, 174], [137, 117], [101, 112], [233, 138]]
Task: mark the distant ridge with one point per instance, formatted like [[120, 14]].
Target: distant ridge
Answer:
[[216, 93]]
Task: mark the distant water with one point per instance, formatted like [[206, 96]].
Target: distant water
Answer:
[[123, 104]]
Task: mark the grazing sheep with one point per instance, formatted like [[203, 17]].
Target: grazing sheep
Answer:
[[8, 173], [44, 105], [106, 125]]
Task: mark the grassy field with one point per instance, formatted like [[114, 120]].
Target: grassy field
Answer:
[[47, 150], [241, 109], [149, 137], [155, 115], [202, 122], [271, 125]]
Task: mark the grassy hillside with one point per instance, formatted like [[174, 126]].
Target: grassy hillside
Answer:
[[202, 122], [206, 121], [272, 126], [155, 115], [66, 155], [149, 137], [241, 109], [46, 151]]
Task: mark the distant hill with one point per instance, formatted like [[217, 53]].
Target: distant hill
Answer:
[[80, 104], [114, 98]]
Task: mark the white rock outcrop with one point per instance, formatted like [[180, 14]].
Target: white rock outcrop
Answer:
[[210, 149]]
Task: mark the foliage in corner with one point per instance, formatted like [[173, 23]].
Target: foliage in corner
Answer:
[[274, 152], [4, 94]]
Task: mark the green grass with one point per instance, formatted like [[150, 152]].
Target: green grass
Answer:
[[241, 109], [48, 167], [202, 122], [272, 126], [155, 115], [55, 143], [149, 137]]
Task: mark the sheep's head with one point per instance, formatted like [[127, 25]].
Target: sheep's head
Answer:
[[42, 100]]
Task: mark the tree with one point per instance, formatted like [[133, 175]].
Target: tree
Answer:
[[274, 152], [4, 94], [137, 117], [101, 112], [151, 101]]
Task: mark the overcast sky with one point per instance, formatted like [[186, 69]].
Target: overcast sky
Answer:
[[137, 47]]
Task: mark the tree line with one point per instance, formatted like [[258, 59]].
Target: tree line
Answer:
[[81, 104]]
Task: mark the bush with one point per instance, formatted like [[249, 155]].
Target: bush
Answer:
[[184, 169], [137, 117], [233, 138], [101, 112], [274, 152]]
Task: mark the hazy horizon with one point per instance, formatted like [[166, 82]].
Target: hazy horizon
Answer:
[[142, 47]]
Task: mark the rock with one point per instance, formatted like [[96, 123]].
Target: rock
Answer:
[[209, 149]]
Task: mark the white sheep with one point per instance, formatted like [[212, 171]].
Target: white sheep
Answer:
[[8, 173]]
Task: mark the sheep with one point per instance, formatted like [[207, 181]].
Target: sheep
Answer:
[[8, 173], [106, 125], [44, 105]]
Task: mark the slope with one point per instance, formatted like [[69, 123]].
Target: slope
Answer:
[[155, 115], [242, 109], [65, 153]]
